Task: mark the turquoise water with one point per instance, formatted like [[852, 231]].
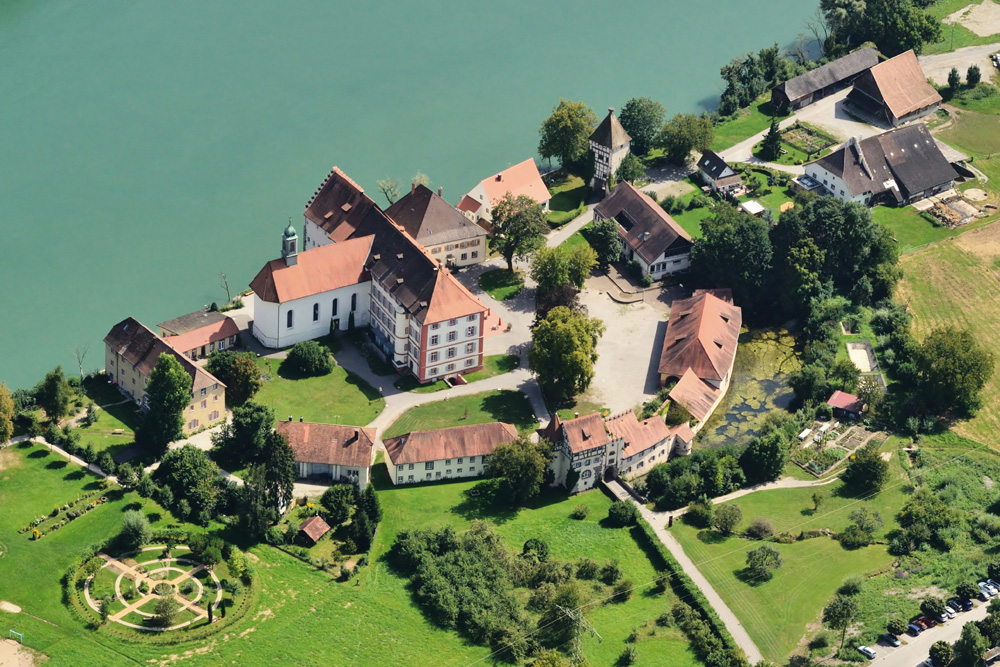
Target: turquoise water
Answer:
[[145, 147]]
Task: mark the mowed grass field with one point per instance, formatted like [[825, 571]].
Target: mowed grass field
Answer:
[[780, 612], [958, 283], [336, 398], [508, 406]]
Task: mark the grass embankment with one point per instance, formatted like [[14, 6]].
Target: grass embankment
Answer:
[[511, 407], [502, 284], [336, 398], [779, 612], [568, 192]]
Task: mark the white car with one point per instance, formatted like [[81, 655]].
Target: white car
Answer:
[[867, 652], [987, 590]]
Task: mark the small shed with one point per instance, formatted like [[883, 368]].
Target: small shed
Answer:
[[753, 207], [805, 434], [313, 528], [846, 405]]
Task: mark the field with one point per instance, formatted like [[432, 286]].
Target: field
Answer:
[[511, 407], [748, 122], [337, 398], [501, 284], [567, 199], [778, 613], [956, 283], [955, 36]]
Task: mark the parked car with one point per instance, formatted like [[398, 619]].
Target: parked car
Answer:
[[994, 584], [954, 604], [949, 612], [891, 640], [927, 620], [920, 623], [913, 629], [941, 618], [985, 591], [867, 652], [966, 604], [992, 588]]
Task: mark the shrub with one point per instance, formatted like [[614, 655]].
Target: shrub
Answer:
[[822, 640], [163, 588], [628, 656], [760, 528], [663, 620], [542, 598], [309, 358], [611, 572], [727, 518], [700, 512], [851, 585], [587, 568], [580, 512], [623, 513], [232, 587], [622, 591], [534, 547]]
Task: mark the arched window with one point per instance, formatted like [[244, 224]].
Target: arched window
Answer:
[[315, 312], [288, 319], [334, 313], [354, 302]]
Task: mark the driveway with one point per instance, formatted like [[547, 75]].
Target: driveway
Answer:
[[936, 67], [916, 649]]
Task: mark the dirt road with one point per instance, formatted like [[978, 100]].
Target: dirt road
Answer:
[[936, 67]]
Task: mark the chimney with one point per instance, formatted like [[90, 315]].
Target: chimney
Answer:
[[611, 110], [440, 191], [413, 187]]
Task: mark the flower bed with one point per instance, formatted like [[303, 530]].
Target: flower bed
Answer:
[[61, 515]]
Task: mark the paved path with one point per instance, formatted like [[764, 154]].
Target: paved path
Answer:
[[937, 66], [782, 483], [916, 649], [556, 237], [736, 629]]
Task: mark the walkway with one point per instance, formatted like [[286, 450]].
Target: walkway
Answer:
[[556, 237], [736, 629], [782, 483]]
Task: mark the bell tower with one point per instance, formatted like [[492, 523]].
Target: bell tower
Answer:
[[290, 245]]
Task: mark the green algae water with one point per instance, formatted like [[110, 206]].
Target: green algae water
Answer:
[[147, 146]]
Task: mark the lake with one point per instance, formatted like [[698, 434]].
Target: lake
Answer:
[[145, 147]]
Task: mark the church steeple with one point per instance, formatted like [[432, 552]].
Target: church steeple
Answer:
[[290, 245]]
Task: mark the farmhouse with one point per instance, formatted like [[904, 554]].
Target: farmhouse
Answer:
[[131, 351], [650, 236], [610, 144], [341, 453], [816, 84], [446, 453], [521, 179], [718, 175], [199, 334], [846, 405], [362, 268], [590, 448], [699, 350], [313, 528], [439, 227], [898, 167], [895, 91]]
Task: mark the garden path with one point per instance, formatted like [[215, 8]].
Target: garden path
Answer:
[[782, 483]]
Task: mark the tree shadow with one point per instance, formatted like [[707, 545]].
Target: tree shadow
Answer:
[[75, 475], [746, 576], [153, 516], [27, 444], [711, 537], [92, 486], [38, 454], [484, 501], [808, 511], [57, 465], [511, 407], [132, 507]]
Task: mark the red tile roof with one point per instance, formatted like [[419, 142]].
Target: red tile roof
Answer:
[[903, 86], [469, 204], [702, 334], [521, 179], [638, 436], [211, 333], [315, 528], [449, 443], [844, 401], [339, 206], [683, 432], [316, 271], [586, 432], [695, 394], [332, 444]]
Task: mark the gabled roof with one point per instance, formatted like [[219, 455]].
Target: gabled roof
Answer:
[[638, 436], [696, 395], [315, 527], [585, 433], [702, 335], [339, 206], [901, 85], [332, 444], [646, 227], [191, 321], [316, 270], [610, 132], [826, 75], [844, 401], [712, 164], [521, 179], [469, 204], [907, 156], [140, 346], [449, 443], [430, 219], [210, 333]]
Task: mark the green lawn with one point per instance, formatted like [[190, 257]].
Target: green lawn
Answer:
[[955, 37], [337, 398], [493, 365], [581, 405], [748, 122], [511, 407], [101, 434], [778, 613], [501, 284], [690, 219], [578, 238], [568, 192]]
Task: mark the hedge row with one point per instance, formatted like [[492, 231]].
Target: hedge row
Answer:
[[686, 589]]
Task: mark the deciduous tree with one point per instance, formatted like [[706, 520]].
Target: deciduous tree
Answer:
[[565, 134], [971, 646], [606, 241], [518, 228], [135, 530], [167, 394], [642, 118], [278, 462], [192, 477], [53, 394], [564, 351], [580, 260], [521, 466], [941, 654], [839, 614], [338, 501], [866, 471], [954, 367], [764, 458], [631, 169], [727, 518], [243, 439], [685, 133], [763, 561], [6, 414], [309, 359], [389, 187], [238, 371]]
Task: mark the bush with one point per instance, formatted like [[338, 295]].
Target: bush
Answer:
[[760, 528], [664, 620], [587, 568], [309, 359], [628, 656], [580, 512], [727, 518], [623, 513], [611, 572], [851, 585], [700, 512], [622, 591]]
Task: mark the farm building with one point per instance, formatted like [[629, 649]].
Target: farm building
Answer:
[[816, 84], [895, 91]]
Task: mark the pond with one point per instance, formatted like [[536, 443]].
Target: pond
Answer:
[[764, 360]]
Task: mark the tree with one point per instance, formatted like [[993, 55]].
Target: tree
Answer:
[[566, 133], [954, 80], [6, 414], [642, 118], [866, 471], [700, 511], [844, 375], [932, 606], [309, 359], [580, 260], [278, 463], [135, 530], [369, 503], [954, 367], [518, 228], [970, 647], [941, 654], [631, 169], [623, 513], [606, 241], [896, 626], [967, 590], [897, 26], [871, 394], [536, 549], [211, 556], [53, 394], [390, 188], [550, 268], [128, 478], [763, 561], [727, 518], [224, 284], [238, 371], [682, 134], [104, 608], [420, 178], [167, 394], [866, 519], [973, 76], [191, 477], [839, 614], [362, 530], [764, 458], [521, 465], [817, 497], [770, 147], [564, 352], [338, 501], [106, 463], [80, 353], [256, 514], [243, 439]]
